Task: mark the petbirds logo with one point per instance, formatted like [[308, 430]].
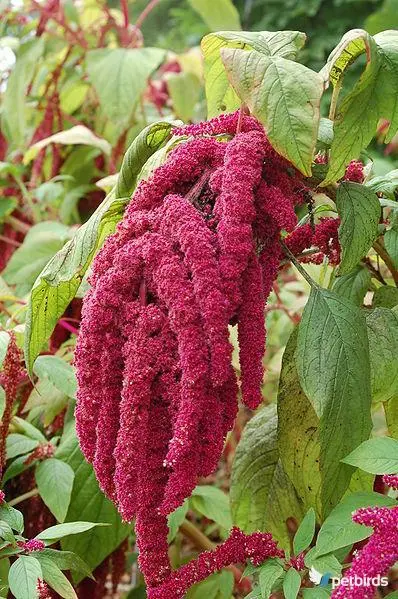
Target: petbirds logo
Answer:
[[318, 578]]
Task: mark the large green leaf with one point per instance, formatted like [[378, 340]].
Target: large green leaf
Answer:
[[285, 96], [53, 575], [217, 15], [354, 285], [377, 456], [59, 281], [58, 372], [382, 326], [59, 531], [262, 497], [220, 95], [298, 432], [339, 530], [17, 444], [89, 502], [373, 96], [13, 114], [39, 246], [78, 135], [23, 576], [334, 371], [359, 210], [55, 496], [212, 503], [119, 77]]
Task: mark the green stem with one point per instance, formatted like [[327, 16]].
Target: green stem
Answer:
[[27, 196], [385, 256], [23, 497], [297, 264]]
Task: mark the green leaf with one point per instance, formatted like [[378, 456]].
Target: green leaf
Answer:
[[12, 516], [39, 246], [7, 206], [59, 531], [56, 497], [212, 503], [25, 427], [298, 432], [305, 533], [268, 575], [354, 285], [58, 372], [391, 412], [56, 579], [217, 15], [16, 467], [385, 296], [175, 519], [339, 530], [6, 532], [372, 98], [219, 93], [149, 141], [23, 576], [4, 569], [13, 114], [391, 244], [184, 90], [291, 584], [89, 502], [382, 325], [285, 96], [217, 586], [17, 444], [119, 76], [315, 593], [385, 184], [4, 341], [324, 564], [261, 495], [74, 136], [66, 560], [359, 210], [59, 281], [334, 370], [377, 456]]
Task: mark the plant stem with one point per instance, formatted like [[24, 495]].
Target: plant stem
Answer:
[[10, 241], [17, 224], [27, 196], [297, 264], [384, 255], [125, 10], [23, 497], [151, 5], [335, 96]]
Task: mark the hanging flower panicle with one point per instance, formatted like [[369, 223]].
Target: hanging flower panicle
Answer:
[[198, 249]]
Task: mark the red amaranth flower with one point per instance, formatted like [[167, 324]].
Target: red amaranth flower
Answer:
[[42, 452], [354, 172], [10, 377], [256, 547], [42, 590], [391, 480], [2, 497], [198, 249], [32, 545], [376, 558]]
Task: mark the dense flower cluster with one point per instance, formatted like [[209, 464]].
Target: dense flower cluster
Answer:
[[391, 480], [236, 549], [42, 590], [10, 377], [376, 558], [197, 250], [323, 236], [32, 545]]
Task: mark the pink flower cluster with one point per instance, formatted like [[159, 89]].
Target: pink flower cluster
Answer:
[[10, 377], [42, 590], [236, 549], [2, 497], [391, 480], [323, 236], [197, 250], [376, 558], [32, 545], [354, 172]]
